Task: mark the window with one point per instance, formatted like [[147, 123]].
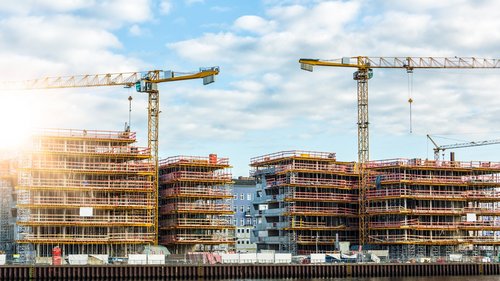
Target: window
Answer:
[[242, 196], [242, 222], [249, 196], [248, 208], [235, 209], [242, 209]]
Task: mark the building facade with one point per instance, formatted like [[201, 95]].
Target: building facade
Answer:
[[7, 207], [305, 202], [244, 221], [88, 192], [195, 204], [422, 208]]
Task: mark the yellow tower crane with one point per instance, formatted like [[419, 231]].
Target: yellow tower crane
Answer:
[[365, 66], [144, 82]]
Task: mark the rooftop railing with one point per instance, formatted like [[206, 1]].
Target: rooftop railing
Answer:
[[292, 153]]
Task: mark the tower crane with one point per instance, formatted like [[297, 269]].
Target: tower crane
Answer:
[[364, 72], [144, 82], [439, 148]]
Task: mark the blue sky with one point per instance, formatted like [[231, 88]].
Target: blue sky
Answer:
[[261, 101]]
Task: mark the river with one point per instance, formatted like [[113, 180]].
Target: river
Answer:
[[421, 278]]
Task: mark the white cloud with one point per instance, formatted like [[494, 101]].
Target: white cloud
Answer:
[[75, 44], [266, 101], [123, 10], [261, 52], [49, 38], [29, 6], [106, 13], [135, 30], [211, 47], [191, 2], [254, 24], [165, 7], [220, 9]]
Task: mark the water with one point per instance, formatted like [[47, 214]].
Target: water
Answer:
[[421, 278]]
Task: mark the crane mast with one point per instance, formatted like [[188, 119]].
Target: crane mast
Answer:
[[145, 82], [365, 66]]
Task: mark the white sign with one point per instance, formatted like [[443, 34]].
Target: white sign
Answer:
[[86, 211], [318, 258], [471, 217]]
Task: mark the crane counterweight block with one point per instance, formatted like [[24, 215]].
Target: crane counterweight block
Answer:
[[363, 74]]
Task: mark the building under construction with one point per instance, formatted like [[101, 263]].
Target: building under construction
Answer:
[[421, 208], [88, 192], [195, 208], [305, 202], [7, 179]]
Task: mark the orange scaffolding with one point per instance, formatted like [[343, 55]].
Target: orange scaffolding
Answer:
[[195, 210], [308, 200], [433, 203], [84, 191]]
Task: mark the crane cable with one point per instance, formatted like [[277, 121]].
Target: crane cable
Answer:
[[410, 92]]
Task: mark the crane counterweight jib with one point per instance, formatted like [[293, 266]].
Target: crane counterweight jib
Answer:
[[126, 79], [407, 62]]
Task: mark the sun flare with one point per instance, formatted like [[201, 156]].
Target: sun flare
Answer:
[[16, 121]]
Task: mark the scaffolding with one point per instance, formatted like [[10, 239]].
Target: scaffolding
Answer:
[[433, 208], [88, 192], [6, 207], [306, 201], [195, 204]]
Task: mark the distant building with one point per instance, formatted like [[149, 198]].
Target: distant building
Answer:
[[244, 192]]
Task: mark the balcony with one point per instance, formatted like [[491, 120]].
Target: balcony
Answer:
[[201, 208], [207, 239], [128, 167], [136, 238], [196, 176], [322, 197], [197, 192], [95, 220], [314, 182], [77, 202], [320, 211], [205, 223], [78, 184]]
